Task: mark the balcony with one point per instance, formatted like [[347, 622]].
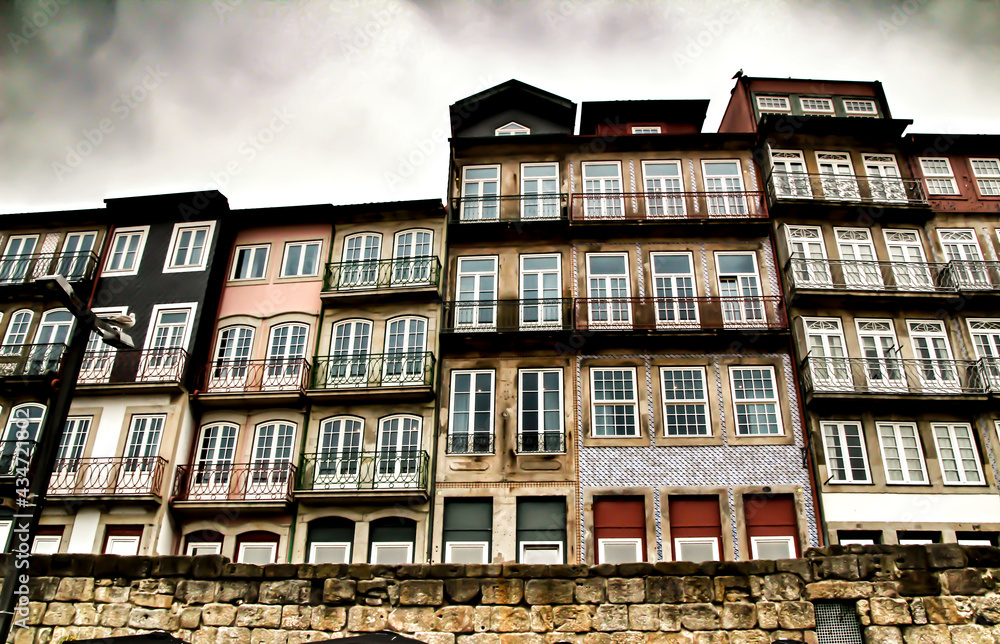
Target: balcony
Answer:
[[14, 456], [508, 209], [666, 207], [503, 316], [108, 478], [541, 443], [29, 361], [869, 276], [892, 376], [352, 278], [133, 369], [386, 474], [25, 269], [991, 371], [845, 189], [966, 275], [473, 444], [265, 485], [681, 314], [262, 381], [372, 372]]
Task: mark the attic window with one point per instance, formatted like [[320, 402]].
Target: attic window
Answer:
[[857, 107], [646, 129], [512, 129], [773, 104]]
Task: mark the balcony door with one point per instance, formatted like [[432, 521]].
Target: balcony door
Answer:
[[286, 352], [935, 364], [23, 427], [271, 461], [476, 293], [883, 178], [828, 366], [539, 191], [909, 266], [17, 258], [76, 254], [673, 288], [480, 193], [15, 337], [405, 360], [602, 185], [962, 250], [986, 338], [349, 354], [164, 356], [857, 252], [232, 358], [398, 460], [726, 179], [541, 288], [50, 341], [809, 263], [661, 179], [837, 176], [142, 450], [360, 266], [71, 448], [338, 458], [609, 291], [789, 174], [739, 288], [411, 260], [883, 369], [212, 471]]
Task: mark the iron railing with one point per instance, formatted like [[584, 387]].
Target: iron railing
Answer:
[[550, 314], [969, 275], [541, 442], [254, 376], [108, 476], [891, 375], [504, 208], [30, 360], [22, 269], [845, 188], [991, 371], [680, 313], [352, 470], [112, 367], [666, 206], [470, 443], [360, 370], [850, 275], [384, 273], [15, 457], [265, 481]]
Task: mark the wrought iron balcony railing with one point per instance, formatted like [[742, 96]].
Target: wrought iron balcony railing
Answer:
[[680, 313], [15, 457], [352, 470], [891, 375], [29, 360], [470, 443], [255, 376], [503, 208], [111, 367], [550, 314], [666, 206], [541, 442], [886, 191], [991, 371], [22, 269], [341, 277], [122, 476], [849, 275], [969, 275], [361, 370], [222, 482]]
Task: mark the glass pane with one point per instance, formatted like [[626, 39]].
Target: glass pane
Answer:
[[539, 171], [736, 264], [481, 173], [671, 264], [721, 168], [600, 170], [607, 265], [662, 170]]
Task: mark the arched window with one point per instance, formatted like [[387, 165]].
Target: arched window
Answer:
[[232, 356], [392, 540], [413, 257], [257, 547], [330, 540], [203, 542], [17, 332], [272, 459], [351, 344], [406, 361], [213, 462], [361, 255], [286, 352], [50, 342], [399, 461], [338, 453], [23, 426]]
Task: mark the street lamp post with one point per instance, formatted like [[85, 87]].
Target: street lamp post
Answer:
[[13, 598]]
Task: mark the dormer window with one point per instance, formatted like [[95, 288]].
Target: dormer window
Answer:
[[817, 105], [646, 129], [773, 104], [512, 129], [856, 107]]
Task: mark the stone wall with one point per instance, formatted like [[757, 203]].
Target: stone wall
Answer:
[[913, 594]]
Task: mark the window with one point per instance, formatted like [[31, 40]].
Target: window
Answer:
[[772, 525], [962, 249], [663, 177], [18, 257], [350, 346], [189, 247], [859, 537], [773, 104], [725, 179], [673, 288], [126, 251], [541, 288], [286, 352], [251, 262], [609, 291], [512, 129], [541, 417], [257, 547], [818, 105], [6, 524], [685, 402], [413, 258], [917, 537], [232, 358], [23, 427], [909, 266], [213, 463], [99, 359], [939, 176], [165, 356], [301, 259], [46, 544], [271, 461], [330, 540], [977, 538], [480, 193], [398, 461], [772, 547], [405, 359], [71, 447], [203, 542], [789, 174], [468, 530], [858, 107], [695, 527], [392, 540], [846, 460], [614, 404], [541, 530], [361, 256], [883, 178], [476, 293], [17, 332], [540, 191], [986, 338], [829, 369], [883, 369], [902, 456], [471, 427], [760, 417], [620, 529], [957, 454], [77, 251], [859, 264], [122, 540], [934, 362], [987, 173], [646, 129], [739, 289], [602, 185], [338, 458], [142, 451]]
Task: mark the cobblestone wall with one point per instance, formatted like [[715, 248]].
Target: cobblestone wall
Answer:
[[913, 594]]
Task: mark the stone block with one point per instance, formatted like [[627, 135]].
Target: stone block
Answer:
[[927, 634], [610, 617], [630, 591], [767, 615], [738, 615], [86, 615], [454, 619], [339, 591], [268, 636], [151, 600], [296, 618], [731, 588], [749, 637], [218, 615], [191, 591], [541, 619], [842, 567], [782, 586], [328, 618], [417, 592], [502, 591], [965, 581], [435, 638], [592, 591], [947, 610], [288, 591], [366, 619], [698, 589], [916, 583], [113, 615], [987, 610], [644, 617], [59, 614], [208, 566], [711, 637], [506, 619], [238, 591], [628, 637], [972, 634], [411, 620], [75, 589], [233, 635], [521, 638], [462, 591], [153, 619], [670, 617], [796, 615], [700, 617], [883, 635], [481, 618], [43, 589], [836, 589], [549, 591], [190, 617], [661, 590], [479, 638], [669, 638], [572, 619]]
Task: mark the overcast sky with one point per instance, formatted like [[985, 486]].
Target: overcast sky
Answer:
[[344, 101]]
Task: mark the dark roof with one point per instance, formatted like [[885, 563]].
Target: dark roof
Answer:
[[514, 94], [593, 113], [785, 125]]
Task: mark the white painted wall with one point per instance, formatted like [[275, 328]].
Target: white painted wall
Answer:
[[84, 531], [912, 508]]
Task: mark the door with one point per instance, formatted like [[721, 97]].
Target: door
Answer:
[[142, 452], [724, 183], [412, 258], [164, 357], [361, 255], [286, 352], [883, 178], [663, 178], [476, 306], [71, 447], [673, 288], [809, 263], [398, 458], [270, 466], [18, 257], [986, 338], [349, 354], [602, 185], [788, 172], [857, 254], [609, 291], [76, 255], [739, 289], [338, 457], [837, 176], [480, 193], [405, 360], [909, 266], [541, 287], [212, 471], [828, 366], [539, 191], [935, 365], [965, 258], [50, 342], [883, 369], [23, 427], [232, 359]]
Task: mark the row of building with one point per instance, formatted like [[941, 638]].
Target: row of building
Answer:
[[621, 339]]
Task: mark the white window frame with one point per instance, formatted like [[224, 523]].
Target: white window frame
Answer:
[[621, 541], [646, 129], [952, 438], [252, 248], [937, 176], [192, 309], [897, 444], [473, 373], [816, 110], [481, 201], [992, 179], [143, 232], [541, 406], [215, 546], [679, 541], [507, 130], [785, 105], [686, 401], [377, 545], [557, 544], [272, 546], [168, 264], [916, 542], [848, 470], [676, 306], [449, 547], [347, 545], [634, 403], [606, 204], [856, 542], [524, 302], [858, 103], [319, 258], [43, 544], [542, 201], [113, 540], [611, 305], [755, 542], [756, 401], [749, 309]]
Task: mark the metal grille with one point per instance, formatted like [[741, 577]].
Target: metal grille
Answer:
[[837, 623]]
